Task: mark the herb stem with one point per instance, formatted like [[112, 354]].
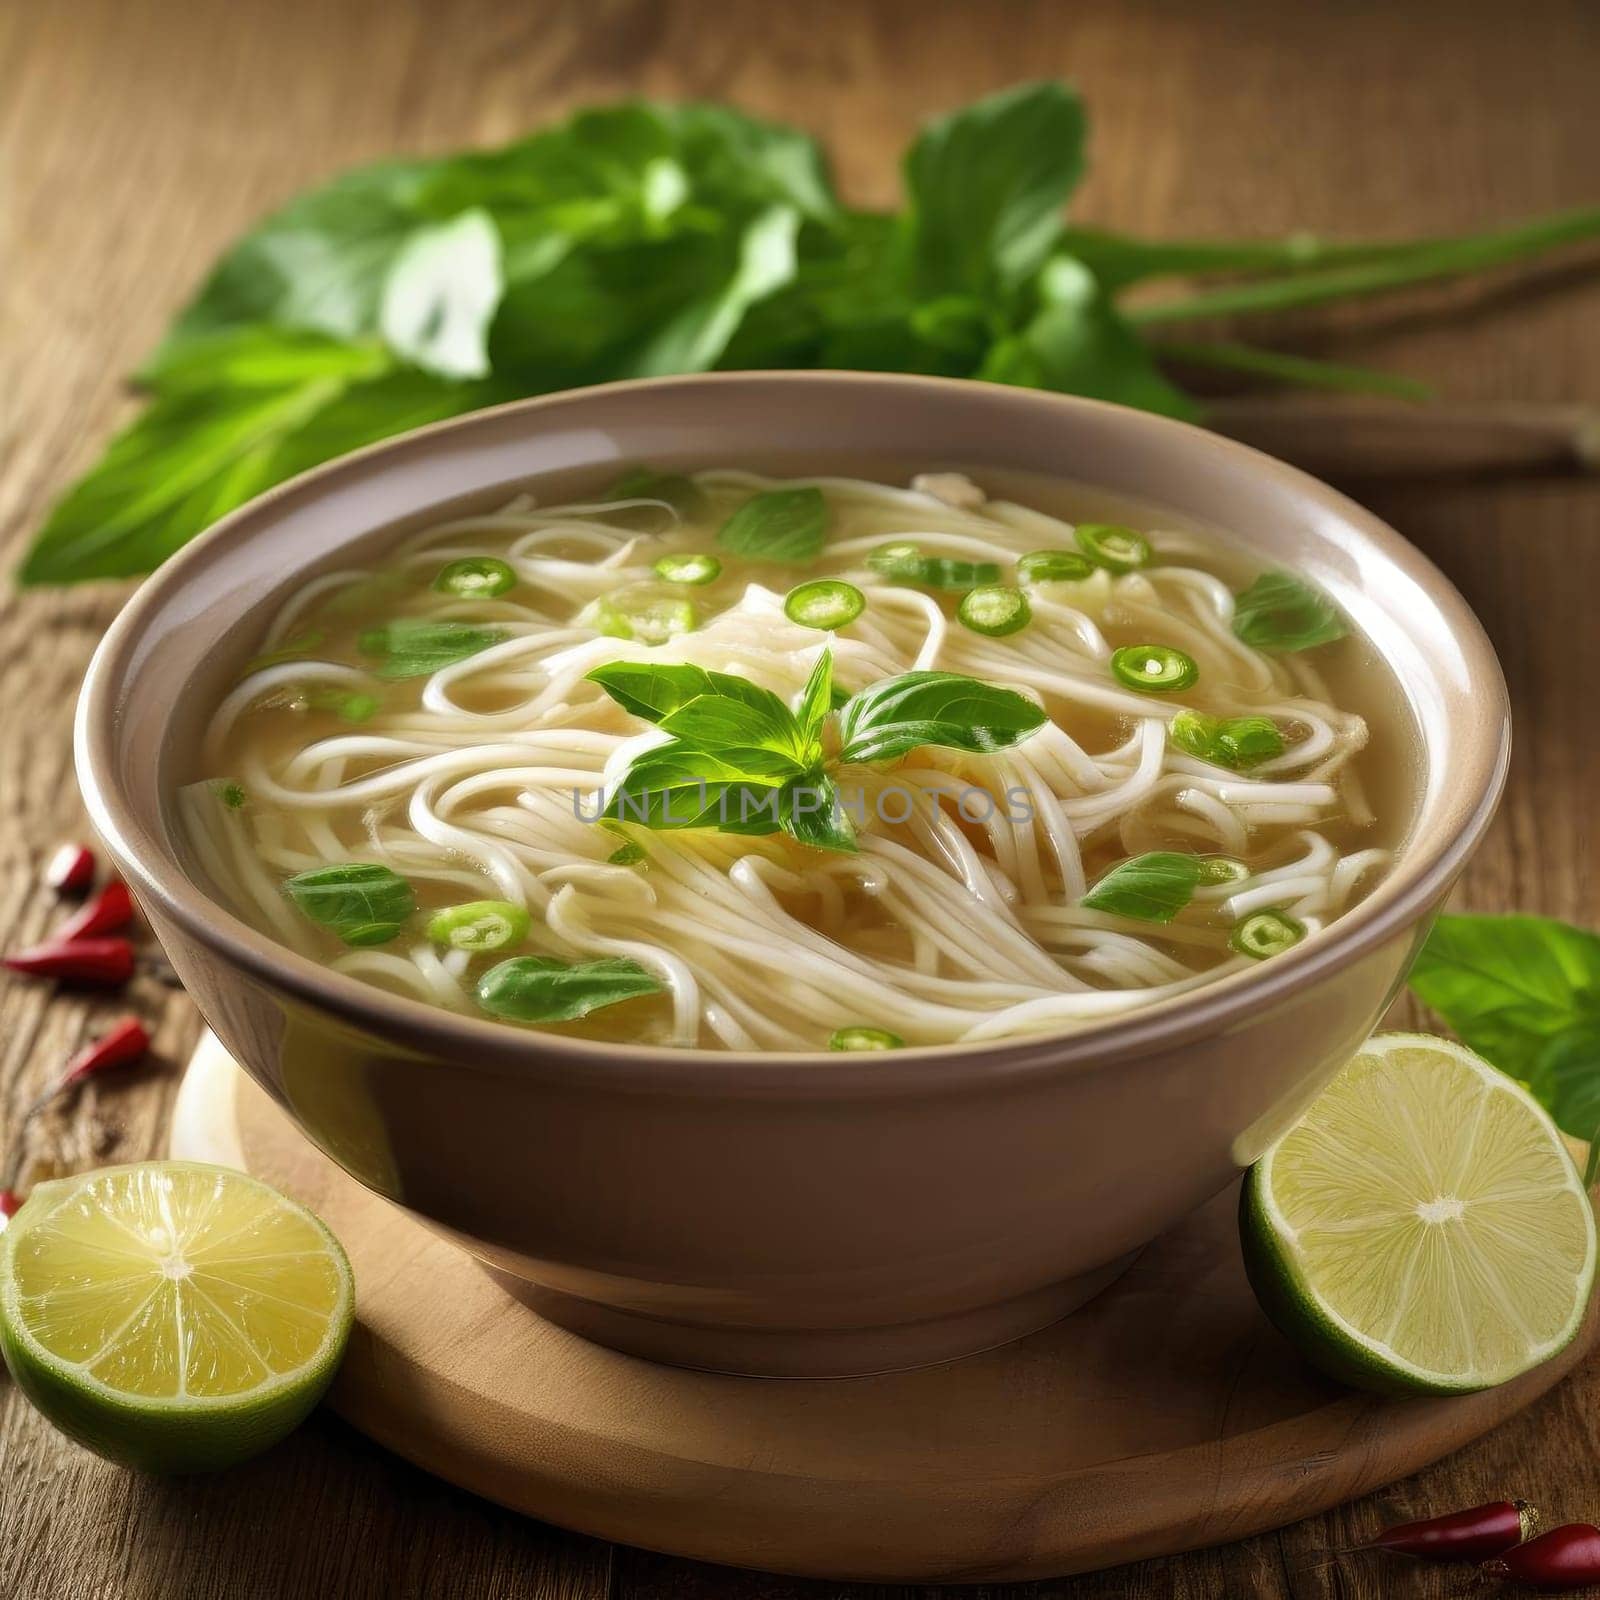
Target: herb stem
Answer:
[[1300, 370], [1404, 265]]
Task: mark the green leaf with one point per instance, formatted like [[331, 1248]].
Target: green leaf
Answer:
[[683, 494], [440, 294], [813, 814], [289, 402], [363, 902], [542, 989], [1078, 343], [727, 806], [1233, 742], [414, 647], [1511, 985], [784, 525], [1280, 613], [817, 698], [1565, 1080], [986, 185], [723, 725], [1302, 371], [318, 264], [653, 692], [938, 708], [1152, 888]]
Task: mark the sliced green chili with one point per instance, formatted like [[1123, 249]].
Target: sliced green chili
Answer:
[[994, 610], [1054, 566], [692, 567], [476, 578], [1112, 546], [1266, 933], [1153, 668], [824, 603]]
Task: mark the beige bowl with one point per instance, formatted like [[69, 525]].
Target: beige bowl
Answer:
[[793, 1214]]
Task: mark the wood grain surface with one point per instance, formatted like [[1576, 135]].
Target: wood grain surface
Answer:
[[138, 136]]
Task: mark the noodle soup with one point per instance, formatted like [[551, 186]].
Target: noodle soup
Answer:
[[726, 761]]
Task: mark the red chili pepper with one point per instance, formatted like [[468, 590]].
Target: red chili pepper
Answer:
[[1472, 1535], [121, 1044], [10, 1204], [106, 963], [1566, 1558], [70, 870], [109, 912]]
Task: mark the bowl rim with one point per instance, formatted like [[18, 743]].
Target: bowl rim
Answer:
[[1416, 881]]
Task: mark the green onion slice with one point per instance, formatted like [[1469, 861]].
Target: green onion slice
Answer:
[[476, 578], [694, 567], [1232, 742], [1266, 933], [1222, 869], [1112, 546], [1054, 566], [824, 603], [859, 1038], [480, 925], [1153, 668], [995, 610]]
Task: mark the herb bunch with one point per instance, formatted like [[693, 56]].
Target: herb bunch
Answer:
[[642, 239]]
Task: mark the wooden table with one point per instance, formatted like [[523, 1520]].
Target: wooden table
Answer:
[[138, 136]]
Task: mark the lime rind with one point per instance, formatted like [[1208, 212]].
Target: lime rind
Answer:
[[1292, 1298], [167, 1433]]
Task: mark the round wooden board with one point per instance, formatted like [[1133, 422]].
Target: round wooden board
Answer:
[[1164, 1416]]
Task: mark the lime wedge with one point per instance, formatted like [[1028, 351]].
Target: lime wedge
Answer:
[[1423, 1228], [172, 1316]]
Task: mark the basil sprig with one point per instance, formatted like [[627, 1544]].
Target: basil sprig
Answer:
[[414, 647], [363, 902], [1153, 887], [741, 761], [543, 989], [1281, 614]]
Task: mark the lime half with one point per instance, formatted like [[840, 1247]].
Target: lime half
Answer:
[[1423, 1228], [172, 1316]]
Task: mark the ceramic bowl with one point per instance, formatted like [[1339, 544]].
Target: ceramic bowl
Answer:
[[774, 1213]]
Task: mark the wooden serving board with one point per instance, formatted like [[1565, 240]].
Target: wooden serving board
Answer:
[[1165, 1415]]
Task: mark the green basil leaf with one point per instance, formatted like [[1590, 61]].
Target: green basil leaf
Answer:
[[1077, 342], [363, 902], [542, 989], [813, 814], [319, 263], [440, 294], [1233, 742], [785, 525], [1280, 613], [907, 564], [414, 647], [817, 698], [654, 692], [1565, 1079], [938, 708], [1152, 888], [677, 763], [986, 185], [729, 807], [1510, 985], [683, 494], [715, 723], [203, 449]]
